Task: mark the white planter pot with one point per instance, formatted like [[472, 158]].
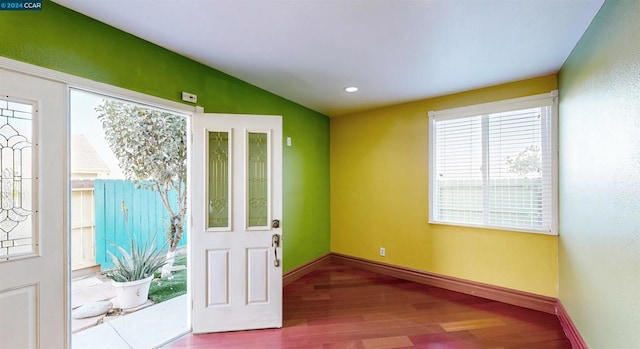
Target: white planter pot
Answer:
[[132, 293]]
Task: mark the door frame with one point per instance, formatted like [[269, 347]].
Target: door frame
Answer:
[[71, 81]]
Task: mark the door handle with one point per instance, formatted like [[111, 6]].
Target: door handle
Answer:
[[275, 243]]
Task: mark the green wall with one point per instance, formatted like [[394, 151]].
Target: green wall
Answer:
[[599, 247], [63, 40]]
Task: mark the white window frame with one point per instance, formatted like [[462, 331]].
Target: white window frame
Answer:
[[546, 99]]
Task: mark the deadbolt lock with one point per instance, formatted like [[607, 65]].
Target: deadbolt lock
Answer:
[[275, 223]]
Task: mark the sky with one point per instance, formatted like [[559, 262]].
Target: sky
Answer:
[[84, 120]]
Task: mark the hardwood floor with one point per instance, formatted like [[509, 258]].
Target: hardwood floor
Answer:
[[342, 307]]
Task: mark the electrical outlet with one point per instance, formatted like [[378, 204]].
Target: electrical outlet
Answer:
[[383, 252]]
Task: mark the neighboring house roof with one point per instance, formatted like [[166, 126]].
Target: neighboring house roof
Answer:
[[84, 157]]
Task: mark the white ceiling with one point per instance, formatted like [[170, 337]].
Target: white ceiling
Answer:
[[393, 50]]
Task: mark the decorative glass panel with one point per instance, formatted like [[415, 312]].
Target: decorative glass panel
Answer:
[[258, 179], [16, 179], [218, 180]]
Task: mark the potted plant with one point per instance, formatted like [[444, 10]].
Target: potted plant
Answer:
[[133, 269]]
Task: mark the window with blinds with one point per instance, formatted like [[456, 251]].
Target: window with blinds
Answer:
[[494, 165]]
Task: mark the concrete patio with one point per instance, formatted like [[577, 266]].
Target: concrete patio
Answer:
[[148, 326]]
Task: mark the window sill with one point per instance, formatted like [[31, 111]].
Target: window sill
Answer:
[[480, 226]]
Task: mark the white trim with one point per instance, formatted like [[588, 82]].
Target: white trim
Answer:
[[84, 84], [495, 107], [555, 149], [431, 145], [493, 227], [545, 99]]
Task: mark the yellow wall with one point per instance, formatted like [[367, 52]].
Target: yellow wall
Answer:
[[379, 198]]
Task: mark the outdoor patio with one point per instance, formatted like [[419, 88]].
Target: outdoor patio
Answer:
[[148, 326]]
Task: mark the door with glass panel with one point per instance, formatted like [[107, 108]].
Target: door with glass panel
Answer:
[[33, 243], [236, 206]]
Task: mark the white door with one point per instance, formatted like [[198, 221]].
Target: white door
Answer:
[[33, 243], [236, 204]]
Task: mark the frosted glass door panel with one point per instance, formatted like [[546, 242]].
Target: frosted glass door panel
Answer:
[[257, 179], [16, 179], [219, 180]]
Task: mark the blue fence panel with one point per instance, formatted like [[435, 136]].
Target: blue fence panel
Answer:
[[147, 217]]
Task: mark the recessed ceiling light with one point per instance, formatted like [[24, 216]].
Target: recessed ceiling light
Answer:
[[351, 89]]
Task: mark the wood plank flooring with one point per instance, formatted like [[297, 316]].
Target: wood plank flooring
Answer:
[[342, 307]]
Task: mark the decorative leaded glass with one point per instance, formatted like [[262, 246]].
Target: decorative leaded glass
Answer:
[[16, 179], [257, 177], [218, 180]]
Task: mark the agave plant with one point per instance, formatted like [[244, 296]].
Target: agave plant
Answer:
[[140, 262]]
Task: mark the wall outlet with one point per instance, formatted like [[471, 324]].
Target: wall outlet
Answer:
[[383, 252]]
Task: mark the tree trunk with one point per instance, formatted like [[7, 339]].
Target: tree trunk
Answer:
[[175, 234], [167, 268]]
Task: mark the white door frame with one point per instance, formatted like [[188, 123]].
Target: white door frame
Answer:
[[72, 81]]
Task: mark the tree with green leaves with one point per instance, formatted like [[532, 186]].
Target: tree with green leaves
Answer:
[[151, 148], [527, 162]]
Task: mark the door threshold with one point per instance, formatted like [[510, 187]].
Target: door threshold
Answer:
[[86, 271]]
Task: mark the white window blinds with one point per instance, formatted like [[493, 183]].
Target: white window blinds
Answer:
[[493, 165]]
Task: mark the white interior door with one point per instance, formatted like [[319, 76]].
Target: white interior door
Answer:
[[33, 243], [236, 205]]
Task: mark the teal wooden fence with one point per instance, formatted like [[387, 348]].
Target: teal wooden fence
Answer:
[[147, 217]]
